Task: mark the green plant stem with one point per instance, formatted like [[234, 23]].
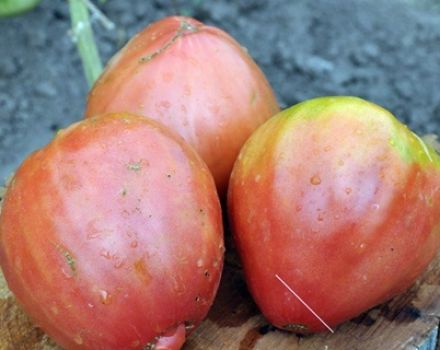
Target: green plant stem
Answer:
[[103, 20], [83, 36]]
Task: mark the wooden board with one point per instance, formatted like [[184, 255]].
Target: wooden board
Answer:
[[409, 321]]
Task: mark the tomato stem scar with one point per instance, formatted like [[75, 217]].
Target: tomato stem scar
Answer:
[[304, 303]]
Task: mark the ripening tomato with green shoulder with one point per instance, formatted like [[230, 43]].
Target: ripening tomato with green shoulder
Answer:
[[337, 200], [111, 236], [195, 79]]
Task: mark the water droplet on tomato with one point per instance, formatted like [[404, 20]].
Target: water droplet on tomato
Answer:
[[17, 264], [135, 343], [298, 208], [348, 190], [187, 90], [199, 263], [320, 217], [362, 245], [315, 180], [67, 273], [134, 244], [119, 262], [54, 310], [375, 206], [105, 254], [178, 285], [90, 305], [78, 339], [257, 178], [105, 297]]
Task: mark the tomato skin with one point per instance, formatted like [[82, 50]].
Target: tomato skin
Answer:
[[193, 78], [111, 236], [342, 202]]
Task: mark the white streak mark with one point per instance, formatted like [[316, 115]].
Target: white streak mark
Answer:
[[425, 149], [304, 303]]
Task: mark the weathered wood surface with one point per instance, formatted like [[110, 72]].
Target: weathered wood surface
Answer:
[[409, 321]]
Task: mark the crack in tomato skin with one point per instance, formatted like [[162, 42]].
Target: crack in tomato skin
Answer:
[[185, 28]]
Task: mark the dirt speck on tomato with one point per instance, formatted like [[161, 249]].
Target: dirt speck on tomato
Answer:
[[315, 180], [136, 166], [69, 259], [142, 271]]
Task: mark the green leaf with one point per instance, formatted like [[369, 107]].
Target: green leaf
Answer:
[[16, 7]]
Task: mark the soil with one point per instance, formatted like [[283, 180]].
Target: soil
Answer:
[[384, 51]]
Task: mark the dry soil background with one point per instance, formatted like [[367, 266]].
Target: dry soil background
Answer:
[[387, 51]]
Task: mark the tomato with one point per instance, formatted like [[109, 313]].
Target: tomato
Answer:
[[196, 80], [111, 236], [337, 201]]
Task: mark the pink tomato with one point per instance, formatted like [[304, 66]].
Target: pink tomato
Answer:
[[195, 79], [111, 236]]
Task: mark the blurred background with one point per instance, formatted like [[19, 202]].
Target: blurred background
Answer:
[[384, 51]]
